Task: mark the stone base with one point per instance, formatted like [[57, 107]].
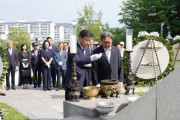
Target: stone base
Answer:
[[88, 108]]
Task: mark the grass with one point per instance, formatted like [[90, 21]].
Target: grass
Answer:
[[140, 93], [11, 113]]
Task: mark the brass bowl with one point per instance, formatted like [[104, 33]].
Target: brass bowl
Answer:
[[109, 82], [91, 91]]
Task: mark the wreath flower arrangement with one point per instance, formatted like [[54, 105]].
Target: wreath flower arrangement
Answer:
[[143, 35], [176, 39]]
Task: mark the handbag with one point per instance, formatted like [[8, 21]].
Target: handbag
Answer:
[[25, 73]]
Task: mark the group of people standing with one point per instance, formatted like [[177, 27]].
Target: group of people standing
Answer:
[[45, 63], [93, 63]]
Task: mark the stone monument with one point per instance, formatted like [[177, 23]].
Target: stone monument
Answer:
[[160, 103]]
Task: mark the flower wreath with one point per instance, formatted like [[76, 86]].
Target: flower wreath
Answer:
[[155, 36], [176, 39]]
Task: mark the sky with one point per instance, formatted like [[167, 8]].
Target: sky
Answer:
[[58, 11]]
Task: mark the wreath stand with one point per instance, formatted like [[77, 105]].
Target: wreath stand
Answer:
[[150, 46]]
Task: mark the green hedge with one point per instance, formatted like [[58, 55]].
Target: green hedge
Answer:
[[5, 63]]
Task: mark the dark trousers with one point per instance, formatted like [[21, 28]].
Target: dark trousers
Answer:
[[60, 73], [46, 77], [67, 91], [63, 77], [36, 75], [53, 75], [12, 71]]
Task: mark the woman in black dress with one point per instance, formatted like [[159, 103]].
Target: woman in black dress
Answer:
[[25, 70]]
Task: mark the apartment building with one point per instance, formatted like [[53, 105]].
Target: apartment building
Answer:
[[40, 29]]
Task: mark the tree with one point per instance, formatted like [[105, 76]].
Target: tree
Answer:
[[89, 19], [119, 34], [174, 19], [18, 36], [147, 15]]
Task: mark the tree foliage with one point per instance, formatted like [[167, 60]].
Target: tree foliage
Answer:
[[89, 19], [4, 60], [119, 34], [147, 15], [18, 36]]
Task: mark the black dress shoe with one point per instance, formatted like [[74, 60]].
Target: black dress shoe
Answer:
[[13, 88], [35, 86], [39, 86], [44, 89], [58, 89], [3, 94], [8, 88]]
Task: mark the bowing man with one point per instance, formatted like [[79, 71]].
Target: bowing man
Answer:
[[83, 61], [110, 65]]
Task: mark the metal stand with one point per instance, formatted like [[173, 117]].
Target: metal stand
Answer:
[[74, 94], [129, 86], [153, 48], [1, 115], [178, 48]]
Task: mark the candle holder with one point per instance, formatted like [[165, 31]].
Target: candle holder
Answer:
[[74, 94], [130, 79]]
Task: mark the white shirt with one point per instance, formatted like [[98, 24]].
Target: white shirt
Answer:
[[83, 49], [60, 52], [108, 53], [35, 52], [50, 47], [122, 52], [10, 51]]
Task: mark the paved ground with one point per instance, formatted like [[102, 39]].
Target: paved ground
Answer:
[[38, 104], [35, 103]]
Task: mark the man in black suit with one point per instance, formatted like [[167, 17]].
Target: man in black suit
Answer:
[[13, 62], [110, 65], [83, 60], [53, 70], [36, 64], [65, 46]]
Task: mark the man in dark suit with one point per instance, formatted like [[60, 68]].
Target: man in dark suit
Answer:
[[65, 46], [83, 60], [53, 70], [110, 65], [36, 64], [13, 62]]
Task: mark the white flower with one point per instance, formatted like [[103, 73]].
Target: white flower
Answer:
[[143, 33], [177, 37], [155, 34]]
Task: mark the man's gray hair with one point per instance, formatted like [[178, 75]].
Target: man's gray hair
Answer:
[[9, 41], [106, 34]]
